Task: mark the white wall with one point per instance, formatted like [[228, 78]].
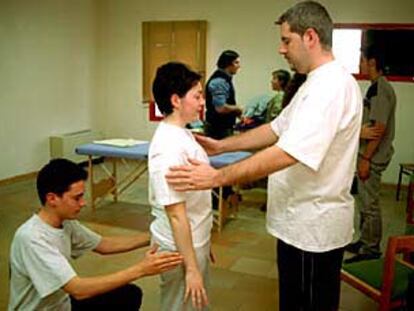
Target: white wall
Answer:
[[71, 64], [47, 58]]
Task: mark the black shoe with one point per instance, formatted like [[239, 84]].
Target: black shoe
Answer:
[[353, 247], [361, 257]]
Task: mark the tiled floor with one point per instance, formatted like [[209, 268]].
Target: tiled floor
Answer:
[[244, 276]]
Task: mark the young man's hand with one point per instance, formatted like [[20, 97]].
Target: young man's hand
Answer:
[[370, 132], [363, 169], [155, 263]]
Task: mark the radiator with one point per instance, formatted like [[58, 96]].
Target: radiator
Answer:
[[63, 146]]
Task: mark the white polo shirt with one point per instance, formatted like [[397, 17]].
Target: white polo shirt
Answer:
[[309, 204]]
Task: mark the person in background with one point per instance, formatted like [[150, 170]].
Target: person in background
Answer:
[[221, 107], [42, 277], [310, 152], [292, 87], [254, 113], [375, 153], [263, 110], [183, 221], [280, 81]]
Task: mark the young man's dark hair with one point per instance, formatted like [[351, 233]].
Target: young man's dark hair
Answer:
[[309, 14], [374, 52], [57, 176], [172, 78], [283, 76], [227, 58]]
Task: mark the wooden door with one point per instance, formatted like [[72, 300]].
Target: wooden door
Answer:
[[183, 41]]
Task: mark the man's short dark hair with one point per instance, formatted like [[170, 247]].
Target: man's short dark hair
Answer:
[[374, 52], [57, 176], [309, 14], [283, 76], [172, 78], [226, 58]]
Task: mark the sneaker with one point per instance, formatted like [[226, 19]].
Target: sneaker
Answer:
[[361, 257], [353, 247]]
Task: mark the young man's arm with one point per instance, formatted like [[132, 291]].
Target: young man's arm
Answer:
[[120, 244], [369, 132], [382, 107], [370, 149], [182, 236], [372, 144], [153, 263]]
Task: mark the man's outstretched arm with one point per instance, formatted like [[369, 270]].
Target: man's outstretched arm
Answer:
[[257, 138], [202, 176]]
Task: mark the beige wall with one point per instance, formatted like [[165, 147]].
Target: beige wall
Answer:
[[47, 60], [90, 56]]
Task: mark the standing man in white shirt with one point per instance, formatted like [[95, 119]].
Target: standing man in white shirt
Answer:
[[310, 157]]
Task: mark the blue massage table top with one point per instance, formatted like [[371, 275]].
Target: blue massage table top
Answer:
[[137, 152], [140, 152], [227, 158]]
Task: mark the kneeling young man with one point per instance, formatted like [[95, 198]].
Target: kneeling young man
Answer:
[[41, 275]]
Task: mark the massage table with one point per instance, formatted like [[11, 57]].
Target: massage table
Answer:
[[115, 184]]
